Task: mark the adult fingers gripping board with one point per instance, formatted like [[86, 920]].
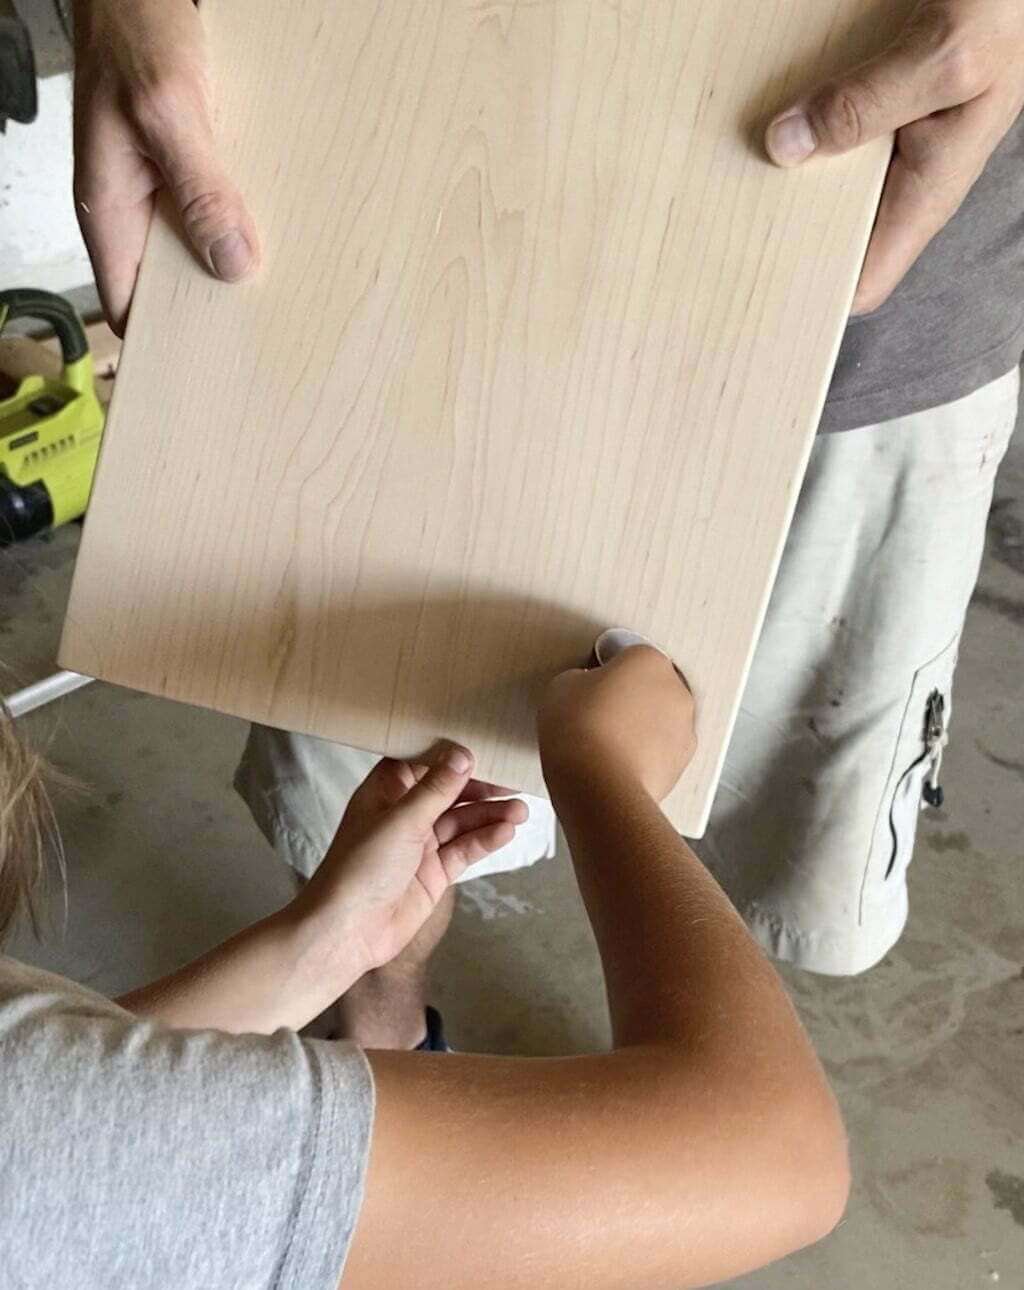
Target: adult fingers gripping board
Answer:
[[538, 346]]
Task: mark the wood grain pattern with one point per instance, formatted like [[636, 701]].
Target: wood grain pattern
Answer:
[[539, 347]]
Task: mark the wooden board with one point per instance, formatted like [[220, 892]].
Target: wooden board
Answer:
[[539, 347]]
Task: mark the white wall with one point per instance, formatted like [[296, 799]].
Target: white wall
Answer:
[[40, 245]]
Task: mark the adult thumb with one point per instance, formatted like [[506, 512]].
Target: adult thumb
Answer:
[[912, 78], [213, 214], [448, 774]]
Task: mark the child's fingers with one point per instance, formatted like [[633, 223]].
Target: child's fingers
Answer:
[[474, 791], [387, 783], [468, 848], [477, 815], [477, 789], [439, 788]]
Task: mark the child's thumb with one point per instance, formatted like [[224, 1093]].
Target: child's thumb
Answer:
[[450, 768]]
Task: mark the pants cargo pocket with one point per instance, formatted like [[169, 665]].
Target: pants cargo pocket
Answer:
[[913, 781]]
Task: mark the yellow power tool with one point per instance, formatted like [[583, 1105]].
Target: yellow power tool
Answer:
[[50, 429]]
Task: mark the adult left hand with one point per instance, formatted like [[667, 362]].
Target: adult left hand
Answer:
[[144, 122], [950, 84]]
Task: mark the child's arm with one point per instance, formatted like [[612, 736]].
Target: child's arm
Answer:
[[707, 1143], [405, 838], [270, 975]]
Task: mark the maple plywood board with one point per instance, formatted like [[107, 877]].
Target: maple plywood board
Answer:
[[538, 347]]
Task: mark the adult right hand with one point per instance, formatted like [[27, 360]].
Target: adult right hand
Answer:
[[949, 83], [631, 719], [143, 123]]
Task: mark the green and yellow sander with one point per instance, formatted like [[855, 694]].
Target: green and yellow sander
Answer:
[[50, 428]]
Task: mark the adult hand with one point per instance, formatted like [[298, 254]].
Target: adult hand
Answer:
[[950, 85], [143, 123], [631, 719], [408, 833]]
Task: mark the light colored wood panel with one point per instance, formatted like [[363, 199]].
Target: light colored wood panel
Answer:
[[538, 348]]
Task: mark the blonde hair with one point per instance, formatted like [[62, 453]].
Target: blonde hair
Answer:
[[28, 832]]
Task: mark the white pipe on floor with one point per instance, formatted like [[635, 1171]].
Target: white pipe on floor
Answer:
[[45, 691]]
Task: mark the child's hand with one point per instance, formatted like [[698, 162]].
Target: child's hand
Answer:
[[409, 832], [631, 718]]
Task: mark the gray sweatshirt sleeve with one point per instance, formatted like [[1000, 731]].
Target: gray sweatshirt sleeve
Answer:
[[136, 1156]]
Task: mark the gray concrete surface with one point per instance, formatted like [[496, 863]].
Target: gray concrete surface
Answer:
[[926, 1051]]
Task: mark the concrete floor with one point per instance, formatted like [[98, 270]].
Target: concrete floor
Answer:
[[926, 1051]]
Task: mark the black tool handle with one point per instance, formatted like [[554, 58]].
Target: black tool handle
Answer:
[[26, 302]]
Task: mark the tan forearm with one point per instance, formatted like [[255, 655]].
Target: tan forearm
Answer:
[[691, 992], [680, 966]]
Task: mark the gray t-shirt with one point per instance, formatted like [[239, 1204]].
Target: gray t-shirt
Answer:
[[132, 1155], [956, 321]]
